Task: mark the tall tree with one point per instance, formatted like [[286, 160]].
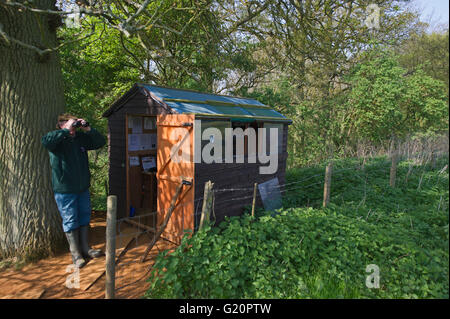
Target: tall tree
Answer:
[[31, 94]]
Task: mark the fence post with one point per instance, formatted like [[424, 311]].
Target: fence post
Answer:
[[254, 199], [393, 172], [433, 159], [111, 215], [207, 203], [327, 185]]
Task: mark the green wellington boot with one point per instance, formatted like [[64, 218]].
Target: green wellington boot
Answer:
[[87, 251], [74, 240]]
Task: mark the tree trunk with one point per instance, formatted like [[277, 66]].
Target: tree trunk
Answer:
[[31, 97]]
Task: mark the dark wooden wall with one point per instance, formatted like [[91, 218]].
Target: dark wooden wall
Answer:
[[234, 176], [139, 103]]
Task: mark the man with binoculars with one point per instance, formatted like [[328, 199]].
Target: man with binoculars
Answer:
[[68, 148]]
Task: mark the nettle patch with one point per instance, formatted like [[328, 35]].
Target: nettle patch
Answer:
[[310, 252]]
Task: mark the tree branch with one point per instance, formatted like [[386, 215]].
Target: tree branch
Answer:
[[41, 52]]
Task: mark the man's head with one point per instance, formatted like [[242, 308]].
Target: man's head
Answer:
[[63, 119], [66, 121]]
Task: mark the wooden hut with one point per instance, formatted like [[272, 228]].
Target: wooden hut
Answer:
[[144, 133]]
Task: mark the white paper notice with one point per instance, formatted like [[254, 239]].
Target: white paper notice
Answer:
[[141, 142], [134, 142], [134, 161], [153, 139], [145, 141], [135, 123], [149, 123], [148, 163]]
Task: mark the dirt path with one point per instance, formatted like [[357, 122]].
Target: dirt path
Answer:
[[47, 278]]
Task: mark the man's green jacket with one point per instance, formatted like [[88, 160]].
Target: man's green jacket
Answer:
[[69, 159]]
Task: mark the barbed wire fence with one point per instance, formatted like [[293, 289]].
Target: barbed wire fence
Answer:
[[133, 234]]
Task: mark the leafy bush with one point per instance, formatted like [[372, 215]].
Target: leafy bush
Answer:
[[311, 252]]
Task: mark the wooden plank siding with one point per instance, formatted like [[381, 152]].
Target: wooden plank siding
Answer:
[[234, 176], [137, 104]]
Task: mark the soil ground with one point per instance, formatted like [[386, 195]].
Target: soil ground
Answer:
[[51, 277]]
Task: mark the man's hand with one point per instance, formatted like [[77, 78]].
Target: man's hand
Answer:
[[83, 122]]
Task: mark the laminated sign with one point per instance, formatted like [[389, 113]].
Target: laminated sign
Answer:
[[149, 123], [141, 142], [270, 194], [135, 124], [148, 163]]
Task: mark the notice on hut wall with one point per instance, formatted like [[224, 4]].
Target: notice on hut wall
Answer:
[[134, 161], [145, 141], [270, 194], [149, 123], [135, 124], [148, 163], [134, 142], [153, 139], [141, 142]]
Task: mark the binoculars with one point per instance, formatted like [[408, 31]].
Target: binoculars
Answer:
[[78, 124]]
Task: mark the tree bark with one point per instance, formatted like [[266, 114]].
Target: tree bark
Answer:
[[31, 97]]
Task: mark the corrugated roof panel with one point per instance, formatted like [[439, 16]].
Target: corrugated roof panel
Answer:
[[231, 110], [202, 104], [264, 112], [166, 93], [237, 108], [193, 108]]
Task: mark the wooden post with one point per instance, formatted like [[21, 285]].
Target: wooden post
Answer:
[[111, 215], [408, 173], [433, 160], [420, 181], [327, 185], [207, 204], [393, 172], [254, 199]]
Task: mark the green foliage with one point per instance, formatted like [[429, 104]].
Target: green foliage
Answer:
[[310, 252], [98, 165], [385, 100], [96, 72], [379, 99], [373, 109], [425, 105], [429, 51]]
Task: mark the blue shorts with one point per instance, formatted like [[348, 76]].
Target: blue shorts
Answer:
[[75, 209]]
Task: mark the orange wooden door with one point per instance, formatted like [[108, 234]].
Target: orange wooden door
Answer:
[[175, 165]]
